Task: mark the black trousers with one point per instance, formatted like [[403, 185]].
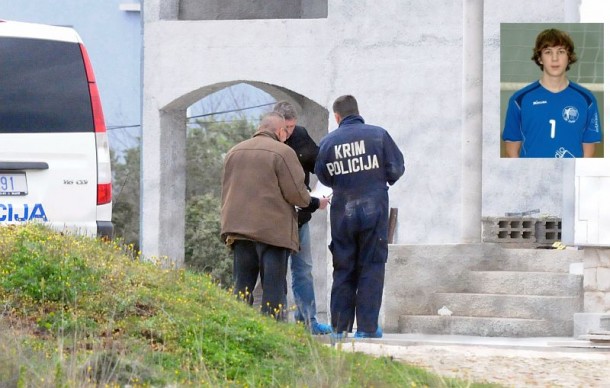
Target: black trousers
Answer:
[[251, 258]]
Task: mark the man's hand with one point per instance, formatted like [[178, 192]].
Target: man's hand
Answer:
[[323, 203]]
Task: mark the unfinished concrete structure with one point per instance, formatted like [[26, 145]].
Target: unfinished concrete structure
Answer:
[[426, 71]]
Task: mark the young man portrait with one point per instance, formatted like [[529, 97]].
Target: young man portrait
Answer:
[[554, 116]]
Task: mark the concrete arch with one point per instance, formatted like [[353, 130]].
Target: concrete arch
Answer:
[[164, 169], [164, 178], [312, 115]]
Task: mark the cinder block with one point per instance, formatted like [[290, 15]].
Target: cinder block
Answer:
[[594, 302], [548, 230], [603, 279], [509, 229], [604, 256], [584, 323], [590, 279]]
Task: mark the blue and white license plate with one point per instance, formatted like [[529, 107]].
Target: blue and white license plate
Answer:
[[13, 183]]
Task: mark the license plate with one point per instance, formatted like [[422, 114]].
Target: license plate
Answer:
[[13, 184]]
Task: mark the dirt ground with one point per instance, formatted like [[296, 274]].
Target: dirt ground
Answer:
[[554, 367]]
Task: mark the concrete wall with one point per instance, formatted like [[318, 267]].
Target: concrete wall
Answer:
[[390, 70], [597, 280], [590, 209], [521, 184], [430, 76], [596, 285], [253, 9]]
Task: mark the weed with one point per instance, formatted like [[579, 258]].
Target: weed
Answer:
[[84, 312]]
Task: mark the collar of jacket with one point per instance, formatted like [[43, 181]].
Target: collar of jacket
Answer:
[[352, 119], [266, 133]]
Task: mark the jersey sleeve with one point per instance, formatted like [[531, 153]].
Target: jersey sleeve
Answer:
[[593, 131], [512, 123]]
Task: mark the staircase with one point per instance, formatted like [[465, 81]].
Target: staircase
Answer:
[[501, 293]]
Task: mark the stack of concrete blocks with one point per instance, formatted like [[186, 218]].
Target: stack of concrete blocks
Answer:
[[527, 231]]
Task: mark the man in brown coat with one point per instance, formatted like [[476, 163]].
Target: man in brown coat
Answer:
[[262, 183]]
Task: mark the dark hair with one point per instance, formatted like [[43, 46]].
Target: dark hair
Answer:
[[346, 106], [551, 38], [286, 109]]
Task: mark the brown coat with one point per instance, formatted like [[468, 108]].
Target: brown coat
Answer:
[[262, 183]]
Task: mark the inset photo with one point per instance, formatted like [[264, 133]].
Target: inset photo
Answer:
[[551, 90]]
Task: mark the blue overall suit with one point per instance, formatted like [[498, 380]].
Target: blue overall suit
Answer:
[[358, 161]]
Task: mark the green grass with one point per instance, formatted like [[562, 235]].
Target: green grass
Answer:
[[83, 312]]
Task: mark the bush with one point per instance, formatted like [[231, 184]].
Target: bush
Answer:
[[204, 250]]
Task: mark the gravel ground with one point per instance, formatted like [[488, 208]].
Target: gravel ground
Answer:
[[554, 367]]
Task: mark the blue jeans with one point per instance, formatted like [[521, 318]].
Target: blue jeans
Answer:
[[302, 280]]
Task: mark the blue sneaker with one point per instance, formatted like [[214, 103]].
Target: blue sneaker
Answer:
[[318, 328], [362, 334]]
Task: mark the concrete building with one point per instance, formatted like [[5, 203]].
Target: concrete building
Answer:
[[428, 72], [429, 76]]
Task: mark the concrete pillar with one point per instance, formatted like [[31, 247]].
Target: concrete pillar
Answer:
[[472, 121], [163, 189]]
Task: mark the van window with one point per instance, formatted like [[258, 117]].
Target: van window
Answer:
[[32, 102]]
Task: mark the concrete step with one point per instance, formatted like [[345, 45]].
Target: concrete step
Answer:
[[523, 283], [484, 326], [509, 306], [529, 260], [491, 289]]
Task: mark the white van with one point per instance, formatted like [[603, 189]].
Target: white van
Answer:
[[54, 153]]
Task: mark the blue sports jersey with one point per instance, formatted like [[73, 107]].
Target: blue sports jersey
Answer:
[[552, 125]]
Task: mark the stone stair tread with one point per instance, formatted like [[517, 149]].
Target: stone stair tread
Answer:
[[507, 305], [469, 317], [522, 283], [600, 332], [509, 295], [596, 336], [514, 271], [484, 326]]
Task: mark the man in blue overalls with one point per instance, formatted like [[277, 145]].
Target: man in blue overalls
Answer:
[[358, 161]]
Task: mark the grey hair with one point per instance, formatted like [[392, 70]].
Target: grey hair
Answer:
[[269, 121], [286, 109]]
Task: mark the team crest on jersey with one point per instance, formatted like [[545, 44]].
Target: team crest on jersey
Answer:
[[570, 114]]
